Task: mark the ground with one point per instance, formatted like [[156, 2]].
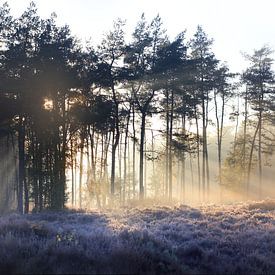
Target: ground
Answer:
[[221, 239]]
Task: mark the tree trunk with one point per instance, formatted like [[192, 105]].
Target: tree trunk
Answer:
[[218, 136], [113, 166], [134, 154], [153, 164], [21, 176], [260, 148], [40, 177], [72, 172], [251, 154], [183, 168], [141, 155], [145, 167], [115, 142], [219, 127], [125, 156], [120, 168], [167, 148], [237, 125], [244, 143], [81, 172], [203, 149], [206, 148], [198, 153], [170, 147]]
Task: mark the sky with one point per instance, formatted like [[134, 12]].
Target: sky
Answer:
[[235, 25]]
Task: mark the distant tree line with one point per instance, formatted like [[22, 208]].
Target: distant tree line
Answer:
[[69, 109]]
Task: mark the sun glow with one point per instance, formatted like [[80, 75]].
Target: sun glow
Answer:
[[48, 104]]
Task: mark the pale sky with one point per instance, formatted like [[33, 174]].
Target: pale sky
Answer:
[[235, 25]]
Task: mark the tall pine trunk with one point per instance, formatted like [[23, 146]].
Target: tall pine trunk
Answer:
[[125, 156], [167, 147], [141, 155], [260, 144], [81, 172], [72, 173], [21, 170], [203, 149], [251, 153], [198, 152], [244, 162], [170, 147], [134, 154], [116, 134]]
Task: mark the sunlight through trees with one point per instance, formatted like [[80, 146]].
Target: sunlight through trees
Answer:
[[90, 126]]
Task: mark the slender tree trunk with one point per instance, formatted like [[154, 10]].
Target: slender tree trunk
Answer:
[[72, 172], [145, 167], [183, 175], [198, 153], [183, 168], [153, 164], [179, 167], [251, 154], [116, 138], [105, 186], [206, 148], [218, 136], [125, 156], [56, 176], [93, 167], [40, 177], [244, 168], [170, 147], [203, 149], [167, 147], [141, 155], [192, 175], [63, 155], [219, 122], [113, 165], [106, 178], [95, 157], [116, 135], [35, 168], [21, 176], [237, 125], [75, 178], [102, 156], [129, 168], [134, 154], [47, 198], [220, 143], [81, 171], [260, 149], [120, 169]]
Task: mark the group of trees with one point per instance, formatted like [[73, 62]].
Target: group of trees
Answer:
[[255, 139], [81, 118]]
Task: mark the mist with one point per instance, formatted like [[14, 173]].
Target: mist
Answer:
[[144, 153]]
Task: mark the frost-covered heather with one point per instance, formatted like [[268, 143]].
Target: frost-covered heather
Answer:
[[235, 239]]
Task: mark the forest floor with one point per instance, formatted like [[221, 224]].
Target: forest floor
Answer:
[[211, 239]]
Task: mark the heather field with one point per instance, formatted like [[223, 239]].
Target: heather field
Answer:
[[210, 239]]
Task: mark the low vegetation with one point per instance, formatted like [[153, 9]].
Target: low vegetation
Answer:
[[224, 239]]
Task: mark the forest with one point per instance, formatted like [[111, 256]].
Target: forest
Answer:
[[154, 118], [140, 154]]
